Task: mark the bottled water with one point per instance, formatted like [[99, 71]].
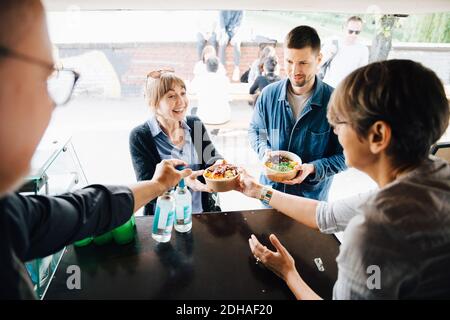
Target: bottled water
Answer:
[[163, 219], [183, 204]]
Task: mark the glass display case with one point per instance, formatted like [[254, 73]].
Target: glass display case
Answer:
[[55, 169]]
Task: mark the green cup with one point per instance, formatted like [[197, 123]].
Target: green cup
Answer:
[[125, 233], [84, 242], [104, 238]]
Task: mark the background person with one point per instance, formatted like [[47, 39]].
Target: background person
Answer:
[[212, 89], [230, 32], [257, 67], [207, 31], [346, 53], [200, 66], [267, 77]]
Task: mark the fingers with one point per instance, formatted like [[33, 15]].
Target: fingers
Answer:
[[259, 251], [293, 181], [175, 162], [186, 173], [277, 244], [196, 174]]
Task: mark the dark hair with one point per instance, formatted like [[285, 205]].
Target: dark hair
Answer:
[[409, 97], [212, 64], [354, 18], [301, 37], [270, 64]]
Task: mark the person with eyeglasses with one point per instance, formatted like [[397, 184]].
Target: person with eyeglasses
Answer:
[[36, 226], [396, 242], [342, 56], [170, 133]]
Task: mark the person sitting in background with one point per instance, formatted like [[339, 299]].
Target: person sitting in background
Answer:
[[257, 67], [206, 22], [200, 66], [231, 32], [212, 89], [170, 134], [397, 239], [268, 77]]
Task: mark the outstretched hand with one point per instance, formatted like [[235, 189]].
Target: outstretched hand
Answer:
[[279, 261]]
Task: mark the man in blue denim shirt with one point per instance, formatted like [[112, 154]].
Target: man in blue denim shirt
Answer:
[[291, 115]]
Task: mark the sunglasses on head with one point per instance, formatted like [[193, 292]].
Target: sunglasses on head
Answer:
[[354, 31], [156, 74]]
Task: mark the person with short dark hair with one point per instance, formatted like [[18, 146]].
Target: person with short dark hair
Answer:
[[397, 239], [257, 67], [212, 64], [265, 79], [200, 66], [291, 115]]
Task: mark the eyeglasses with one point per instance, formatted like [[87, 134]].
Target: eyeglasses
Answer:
[[156, 74], [60, 83], [354, 31]]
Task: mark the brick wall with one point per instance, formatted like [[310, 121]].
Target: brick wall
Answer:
[[130, 62]]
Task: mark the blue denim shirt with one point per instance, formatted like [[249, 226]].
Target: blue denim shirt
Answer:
[[311, 137]]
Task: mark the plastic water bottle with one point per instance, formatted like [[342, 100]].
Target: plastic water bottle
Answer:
[[183, 204], [163, 219]]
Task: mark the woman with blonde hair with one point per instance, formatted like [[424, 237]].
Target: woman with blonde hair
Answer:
[[169, 133]]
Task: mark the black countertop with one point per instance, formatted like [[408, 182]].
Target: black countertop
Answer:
[[212, 261]]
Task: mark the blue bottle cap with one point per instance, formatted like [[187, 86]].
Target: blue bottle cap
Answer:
[[181, 184]]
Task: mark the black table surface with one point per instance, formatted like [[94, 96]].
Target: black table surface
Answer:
[[212, 261]]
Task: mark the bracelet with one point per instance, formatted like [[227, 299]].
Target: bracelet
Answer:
[[266, 195]]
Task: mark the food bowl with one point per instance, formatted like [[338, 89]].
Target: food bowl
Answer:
[[222, 177], [279, 170]]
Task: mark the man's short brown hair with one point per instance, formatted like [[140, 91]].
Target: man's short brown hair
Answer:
[[409, 97], [302, 37], [354, 18]]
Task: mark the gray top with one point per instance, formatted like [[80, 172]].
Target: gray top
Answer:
[[396, 243]]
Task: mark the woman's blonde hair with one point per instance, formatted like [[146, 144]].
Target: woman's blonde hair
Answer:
[[156, 88]]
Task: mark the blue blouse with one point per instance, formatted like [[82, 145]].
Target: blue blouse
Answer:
[[167, 150]]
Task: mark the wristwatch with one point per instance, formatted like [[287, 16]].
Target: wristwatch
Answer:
[[266, 194]]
